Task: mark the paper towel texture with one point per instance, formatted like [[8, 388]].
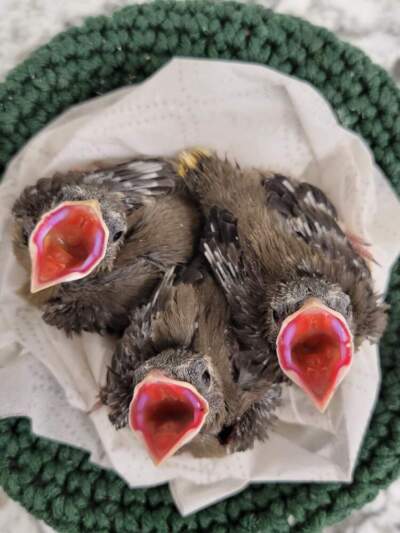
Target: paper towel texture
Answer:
[[258, 117]]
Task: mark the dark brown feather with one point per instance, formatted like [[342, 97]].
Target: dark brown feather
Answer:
[[289, 245], [160, 230], [184, 332]]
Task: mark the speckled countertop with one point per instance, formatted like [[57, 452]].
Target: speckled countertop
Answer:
[[372, 26]]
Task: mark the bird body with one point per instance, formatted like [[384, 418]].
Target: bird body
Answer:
[[183, 334], [149, 231], [275, 244], [298, 295]]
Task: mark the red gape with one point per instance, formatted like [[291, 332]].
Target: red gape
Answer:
[[315, 350], [67, 243], [168, 414]]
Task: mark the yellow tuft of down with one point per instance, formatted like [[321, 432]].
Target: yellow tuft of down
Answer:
[[189, 159]]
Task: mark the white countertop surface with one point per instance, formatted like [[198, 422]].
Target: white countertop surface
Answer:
[[372, 26]]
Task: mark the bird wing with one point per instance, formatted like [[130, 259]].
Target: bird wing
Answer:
[[243, 287], [222, 249], [101, 303], [138, 338], [135, 347], [195, 272], [310, 216], [137, 179]]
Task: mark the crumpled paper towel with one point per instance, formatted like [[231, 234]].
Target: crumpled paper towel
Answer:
[[259, 117]]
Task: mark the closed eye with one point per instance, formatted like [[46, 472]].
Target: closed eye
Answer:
[[25, 237], [276, 315], [206, 378]]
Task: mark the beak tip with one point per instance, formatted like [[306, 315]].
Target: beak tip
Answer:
[[34, 288], [37, 286], [158, 461], [321, 406]]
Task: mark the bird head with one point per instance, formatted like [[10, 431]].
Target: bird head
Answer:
[[312, 323], [177, 394], [68, 235]]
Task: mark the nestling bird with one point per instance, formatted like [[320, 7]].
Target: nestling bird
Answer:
[[299, 286], [171, 377], [97, 242]]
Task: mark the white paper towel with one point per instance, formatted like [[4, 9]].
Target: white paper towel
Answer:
[[259, 117]]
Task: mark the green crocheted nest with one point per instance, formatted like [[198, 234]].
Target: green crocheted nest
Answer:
[[57, 483]]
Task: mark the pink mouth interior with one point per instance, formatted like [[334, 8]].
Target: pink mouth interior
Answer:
[[165, 413], [69, 239], [313, 349]]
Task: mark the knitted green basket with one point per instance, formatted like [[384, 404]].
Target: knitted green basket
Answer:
[[57, 483]]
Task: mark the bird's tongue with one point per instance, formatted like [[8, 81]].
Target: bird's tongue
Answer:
[[67, 244], [167, 414], [315, 351]]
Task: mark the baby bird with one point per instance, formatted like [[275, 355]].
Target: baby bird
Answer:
[[97, 243], [171, 379], [298, 285]]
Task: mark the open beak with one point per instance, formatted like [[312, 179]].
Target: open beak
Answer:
[[166, 414], [315, 350], [67, 243]]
